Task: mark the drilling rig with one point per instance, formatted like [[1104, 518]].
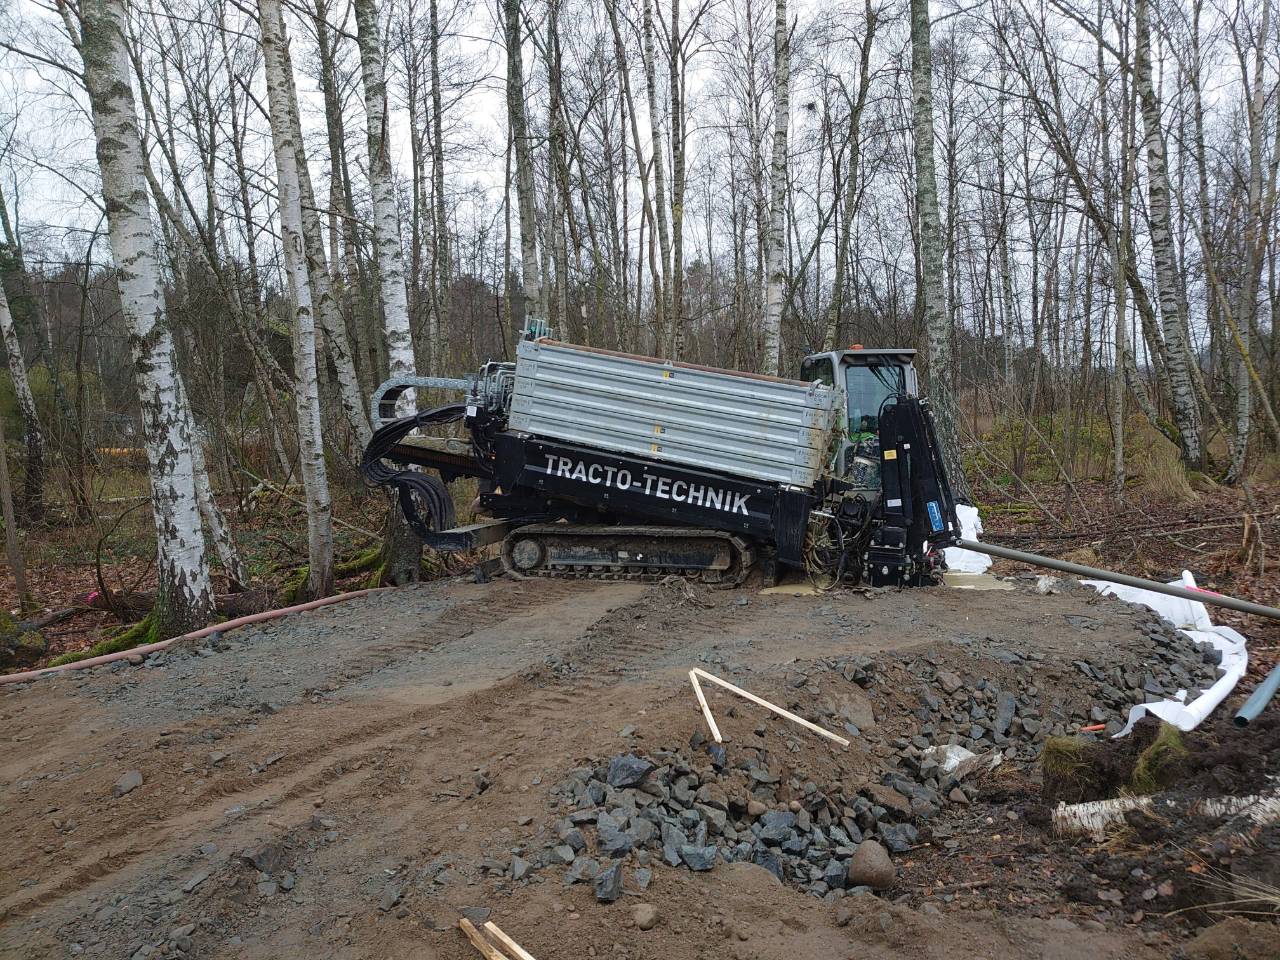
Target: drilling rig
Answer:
[[596, 463]]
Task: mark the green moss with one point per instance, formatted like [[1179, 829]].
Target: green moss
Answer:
[[294, 589], [137, 635], [32, 644], [1068, 768], [1158, 765], [367, 560]]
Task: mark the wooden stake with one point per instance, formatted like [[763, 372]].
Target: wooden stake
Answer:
[[517, 951], [487, 949], [706, 710], [698, 672]]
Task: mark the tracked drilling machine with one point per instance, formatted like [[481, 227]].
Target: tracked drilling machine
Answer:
[[593, 463]]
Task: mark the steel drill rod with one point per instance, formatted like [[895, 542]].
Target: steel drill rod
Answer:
[[1093, 573]]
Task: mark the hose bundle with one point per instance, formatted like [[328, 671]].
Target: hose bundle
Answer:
[[418, 492]]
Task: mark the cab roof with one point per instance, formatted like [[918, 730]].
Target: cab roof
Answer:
[[878, 352]]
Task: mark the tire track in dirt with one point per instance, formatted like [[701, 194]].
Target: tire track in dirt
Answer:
[[457, 622], [330, 759]]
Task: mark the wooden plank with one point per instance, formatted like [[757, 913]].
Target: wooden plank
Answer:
[[487, 949], [706, 710], [698, 672], [517, 951]]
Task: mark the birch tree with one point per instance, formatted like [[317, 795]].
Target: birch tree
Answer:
[[518, 130], [33, 484], [1176, 355], [386, 216], [184, 596], [771, 361], [930, 273], [283, 110]]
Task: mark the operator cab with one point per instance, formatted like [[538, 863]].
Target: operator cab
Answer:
[[865, 379]]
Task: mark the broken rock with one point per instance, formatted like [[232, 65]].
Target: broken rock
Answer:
[[130, 781], [609, 884], [627, 770]]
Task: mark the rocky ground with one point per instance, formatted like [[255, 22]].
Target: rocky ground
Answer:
[[348, 782]]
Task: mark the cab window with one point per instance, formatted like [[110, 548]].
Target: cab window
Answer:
[[868, 386], [820, 369]]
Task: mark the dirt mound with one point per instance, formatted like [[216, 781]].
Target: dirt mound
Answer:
[[345, 783]]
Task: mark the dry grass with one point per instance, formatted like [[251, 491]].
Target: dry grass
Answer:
[[1156, 462], [1157, 766]]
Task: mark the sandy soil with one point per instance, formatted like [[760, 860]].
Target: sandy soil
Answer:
[[384, 758]]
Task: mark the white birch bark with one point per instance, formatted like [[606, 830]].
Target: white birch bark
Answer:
[[1172, 316], [1255, 245], [219, 530], [324, 302], [518, 125], [33, 492], [184, 597], [283, 110], [661, 291], [771, 361], [440, 247], [937, 327], [386, 216]]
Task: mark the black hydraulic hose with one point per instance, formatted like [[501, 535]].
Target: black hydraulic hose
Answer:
[[1094, 573], [1259, 699], [412, 486]]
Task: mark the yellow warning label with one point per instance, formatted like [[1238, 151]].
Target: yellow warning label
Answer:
[[666, 374], [659, 428], [891, 454]]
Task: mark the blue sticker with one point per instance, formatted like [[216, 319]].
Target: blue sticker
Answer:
[[935, 515]]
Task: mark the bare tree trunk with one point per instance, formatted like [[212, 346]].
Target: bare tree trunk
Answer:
[[324, 307], [1117, 250], [676, 83], [941, 372], [283, 114], [219, 531], [12, 548], [771, 361], [534, 295], [852, 182], [442, 256], [33, 486], [1254, 241], [1173, 321], [386, 216], [661, 292], [184, 598]]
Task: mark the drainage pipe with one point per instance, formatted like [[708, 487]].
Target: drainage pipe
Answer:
[[1094, 573], [1259, 699], [193, 635]]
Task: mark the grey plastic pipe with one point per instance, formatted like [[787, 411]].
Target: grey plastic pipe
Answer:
[[1094, 573], [1259, 699]]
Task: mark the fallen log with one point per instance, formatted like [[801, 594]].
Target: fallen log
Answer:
[[131, 605]]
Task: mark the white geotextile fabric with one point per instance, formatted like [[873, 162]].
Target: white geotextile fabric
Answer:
[[1189, 616], [967, 561], [1192, 618]]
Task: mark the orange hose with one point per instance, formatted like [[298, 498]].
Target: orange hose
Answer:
[[193, 635]]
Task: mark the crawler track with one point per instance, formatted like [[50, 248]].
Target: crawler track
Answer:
[[635, 553]]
